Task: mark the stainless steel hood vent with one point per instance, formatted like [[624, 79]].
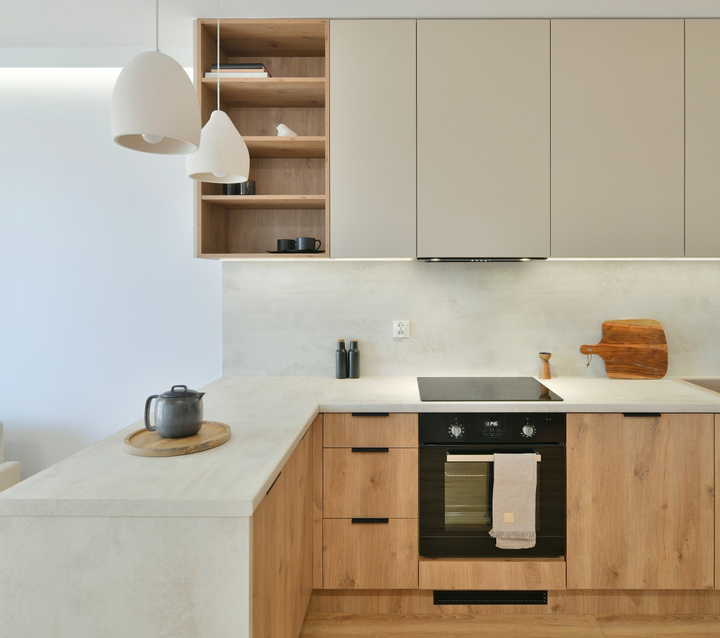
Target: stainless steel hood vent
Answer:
[[478, 259]]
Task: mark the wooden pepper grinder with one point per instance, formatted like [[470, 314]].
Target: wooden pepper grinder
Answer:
[[545, 366]]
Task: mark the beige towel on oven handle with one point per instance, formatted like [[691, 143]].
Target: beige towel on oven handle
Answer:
[[514, 487]]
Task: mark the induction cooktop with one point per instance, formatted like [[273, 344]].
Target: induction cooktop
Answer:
[[484, 389]]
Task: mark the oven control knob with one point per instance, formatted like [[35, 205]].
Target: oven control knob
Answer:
[[528, 431], [456, 430]]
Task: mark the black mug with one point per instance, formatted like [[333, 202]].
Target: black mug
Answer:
[[308, 243], [285, 244], [247, 188]]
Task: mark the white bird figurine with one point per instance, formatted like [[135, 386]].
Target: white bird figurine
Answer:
[[284, 131]]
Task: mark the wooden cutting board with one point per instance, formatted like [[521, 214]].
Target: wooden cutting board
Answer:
[[632, 349], [145, 443]]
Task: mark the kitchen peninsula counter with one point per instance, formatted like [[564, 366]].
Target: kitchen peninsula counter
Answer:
[[127, 545], [269, 417]]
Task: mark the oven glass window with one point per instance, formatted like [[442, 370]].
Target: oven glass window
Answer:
[[468, 496]]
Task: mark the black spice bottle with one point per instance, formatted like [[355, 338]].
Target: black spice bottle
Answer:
[[354, 361], [341, 360]]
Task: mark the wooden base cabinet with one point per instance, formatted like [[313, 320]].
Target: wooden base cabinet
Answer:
[[370, 555], [282, 549], [640, 501]]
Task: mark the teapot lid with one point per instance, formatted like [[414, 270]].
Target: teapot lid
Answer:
[[178, 391]]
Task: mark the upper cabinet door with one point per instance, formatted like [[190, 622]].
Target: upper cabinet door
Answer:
[[372, 138], [702, 138], [617, 138], [483, 138]]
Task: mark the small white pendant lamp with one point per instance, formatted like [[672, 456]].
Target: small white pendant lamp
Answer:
[[223, 156], [154, 105]]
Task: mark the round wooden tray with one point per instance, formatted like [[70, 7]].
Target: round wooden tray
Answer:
[[145, 443]]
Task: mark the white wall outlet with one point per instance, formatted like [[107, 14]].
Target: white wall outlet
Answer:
[[401, 329]]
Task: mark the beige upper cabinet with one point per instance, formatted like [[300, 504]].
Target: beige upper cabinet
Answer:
[[617, 138], [372, 138], [483, 136], [702, 138]]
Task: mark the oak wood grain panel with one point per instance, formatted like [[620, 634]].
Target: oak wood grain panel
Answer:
[[370, 556], [370, 484], [286, 66], [605, 601], [342, 429], [279, 37], [702, 138], [483, 128], [296, 92], [285, 146], [263, 121], [640, 501], [282, 529], [317, 452], [617, 149], [717, 508], [657, 626], [491, 574], [255, 231], [450, 625]]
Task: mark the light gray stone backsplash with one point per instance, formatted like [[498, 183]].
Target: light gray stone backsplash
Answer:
[[284, 318]]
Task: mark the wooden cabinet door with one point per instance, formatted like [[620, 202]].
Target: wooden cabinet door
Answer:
[[371, 482], [483, 136], [372, 138], [365, 555], [617, 138], [702, 138], [640, 501], [717, 509], [282, 542]]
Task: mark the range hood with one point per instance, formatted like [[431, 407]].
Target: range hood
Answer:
[[478, 259]]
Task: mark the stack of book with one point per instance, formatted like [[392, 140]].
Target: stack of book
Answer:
[[247, 70]]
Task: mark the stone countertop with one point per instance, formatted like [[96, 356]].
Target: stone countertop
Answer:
[[269, 417], [591, 394]]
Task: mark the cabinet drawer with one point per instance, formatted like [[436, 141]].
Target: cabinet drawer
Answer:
[[484, 573], [367, 482], [371, 430], [370, 555]]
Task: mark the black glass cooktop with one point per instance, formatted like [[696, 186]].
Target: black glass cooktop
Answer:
[[484, 389]]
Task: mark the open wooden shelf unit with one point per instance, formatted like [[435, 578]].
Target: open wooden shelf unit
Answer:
[[290, 173]]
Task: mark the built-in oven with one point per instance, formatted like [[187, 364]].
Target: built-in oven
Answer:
[[456, 453]]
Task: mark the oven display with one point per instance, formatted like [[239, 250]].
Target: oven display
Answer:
[[492, 428]]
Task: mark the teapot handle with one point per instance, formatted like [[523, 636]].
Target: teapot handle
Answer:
[[147, 413]]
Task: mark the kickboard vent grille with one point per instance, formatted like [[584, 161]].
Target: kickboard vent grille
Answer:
[[489, 597]]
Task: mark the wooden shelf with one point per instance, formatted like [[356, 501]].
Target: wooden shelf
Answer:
[[292, 147], [269, 202], [263, 256], [270, 37], [295, 92]]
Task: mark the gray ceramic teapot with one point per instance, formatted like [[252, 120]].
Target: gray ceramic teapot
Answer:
[[178, 413]]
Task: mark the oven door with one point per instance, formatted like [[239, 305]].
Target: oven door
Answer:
[[456, 501]]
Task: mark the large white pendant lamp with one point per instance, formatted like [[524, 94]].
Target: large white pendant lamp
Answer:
[[223, 156], [154, 105]]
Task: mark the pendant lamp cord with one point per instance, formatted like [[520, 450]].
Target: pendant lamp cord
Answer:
[[218, 55], [157, 25]]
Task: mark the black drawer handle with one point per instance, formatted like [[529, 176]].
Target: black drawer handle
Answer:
[[642, 414], [370, 449], [370, 414], [373, 521]]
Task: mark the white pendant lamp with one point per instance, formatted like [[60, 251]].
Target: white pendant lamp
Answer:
[[223, 156], [154, 105]]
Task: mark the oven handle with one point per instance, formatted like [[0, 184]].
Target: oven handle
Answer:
[[477, 458]]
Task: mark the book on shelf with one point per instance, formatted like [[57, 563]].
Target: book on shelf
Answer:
[[242, 74], [244, 65]]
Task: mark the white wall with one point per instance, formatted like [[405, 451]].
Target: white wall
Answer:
[[466, 319], [101, 300]]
